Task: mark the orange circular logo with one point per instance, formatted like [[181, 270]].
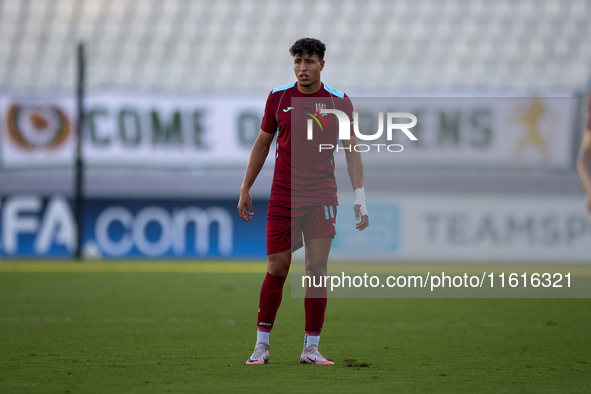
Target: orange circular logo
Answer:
[[34, 127]]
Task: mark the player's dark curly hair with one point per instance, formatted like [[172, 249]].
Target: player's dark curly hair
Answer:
[[308, 46]]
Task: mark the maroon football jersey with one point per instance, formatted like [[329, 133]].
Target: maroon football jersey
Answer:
[[304, 173]]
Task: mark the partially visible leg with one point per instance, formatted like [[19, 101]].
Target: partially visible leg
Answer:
[[272, 289], [317, 251], [269, 301]]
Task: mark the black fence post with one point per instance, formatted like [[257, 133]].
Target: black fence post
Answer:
[[79, 171]]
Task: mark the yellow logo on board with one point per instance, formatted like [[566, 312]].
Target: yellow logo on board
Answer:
[[531, 118]]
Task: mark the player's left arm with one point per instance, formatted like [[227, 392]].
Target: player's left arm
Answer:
[[355, 169], [584, 159], [584, 164]]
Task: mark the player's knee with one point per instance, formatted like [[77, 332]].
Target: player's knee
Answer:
[[316, 268], [278, 266]]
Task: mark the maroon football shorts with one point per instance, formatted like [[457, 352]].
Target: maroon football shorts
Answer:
[[286, 225]]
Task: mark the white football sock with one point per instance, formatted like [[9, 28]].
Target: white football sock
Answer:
[[263, 337], [310, 340]]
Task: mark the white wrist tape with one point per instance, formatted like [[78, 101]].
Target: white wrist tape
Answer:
[[360, 200]]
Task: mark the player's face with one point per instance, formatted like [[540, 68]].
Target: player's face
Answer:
[[307, 68]]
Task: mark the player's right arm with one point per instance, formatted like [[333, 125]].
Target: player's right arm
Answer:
[[584, 159], [258, 155]]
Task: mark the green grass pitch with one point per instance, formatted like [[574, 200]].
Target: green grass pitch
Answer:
[[158, 332]]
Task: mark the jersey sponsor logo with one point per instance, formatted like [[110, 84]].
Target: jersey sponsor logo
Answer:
[[314, 116]]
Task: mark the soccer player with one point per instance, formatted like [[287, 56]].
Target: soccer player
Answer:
[[303, 199], [584, 160]]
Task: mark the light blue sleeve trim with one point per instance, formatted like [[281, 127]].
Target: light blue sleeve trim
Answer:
[[284, 87], [332, 90]]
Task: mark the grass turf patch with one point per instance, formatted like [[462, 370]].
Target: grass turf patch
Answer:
[[192, 332]]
